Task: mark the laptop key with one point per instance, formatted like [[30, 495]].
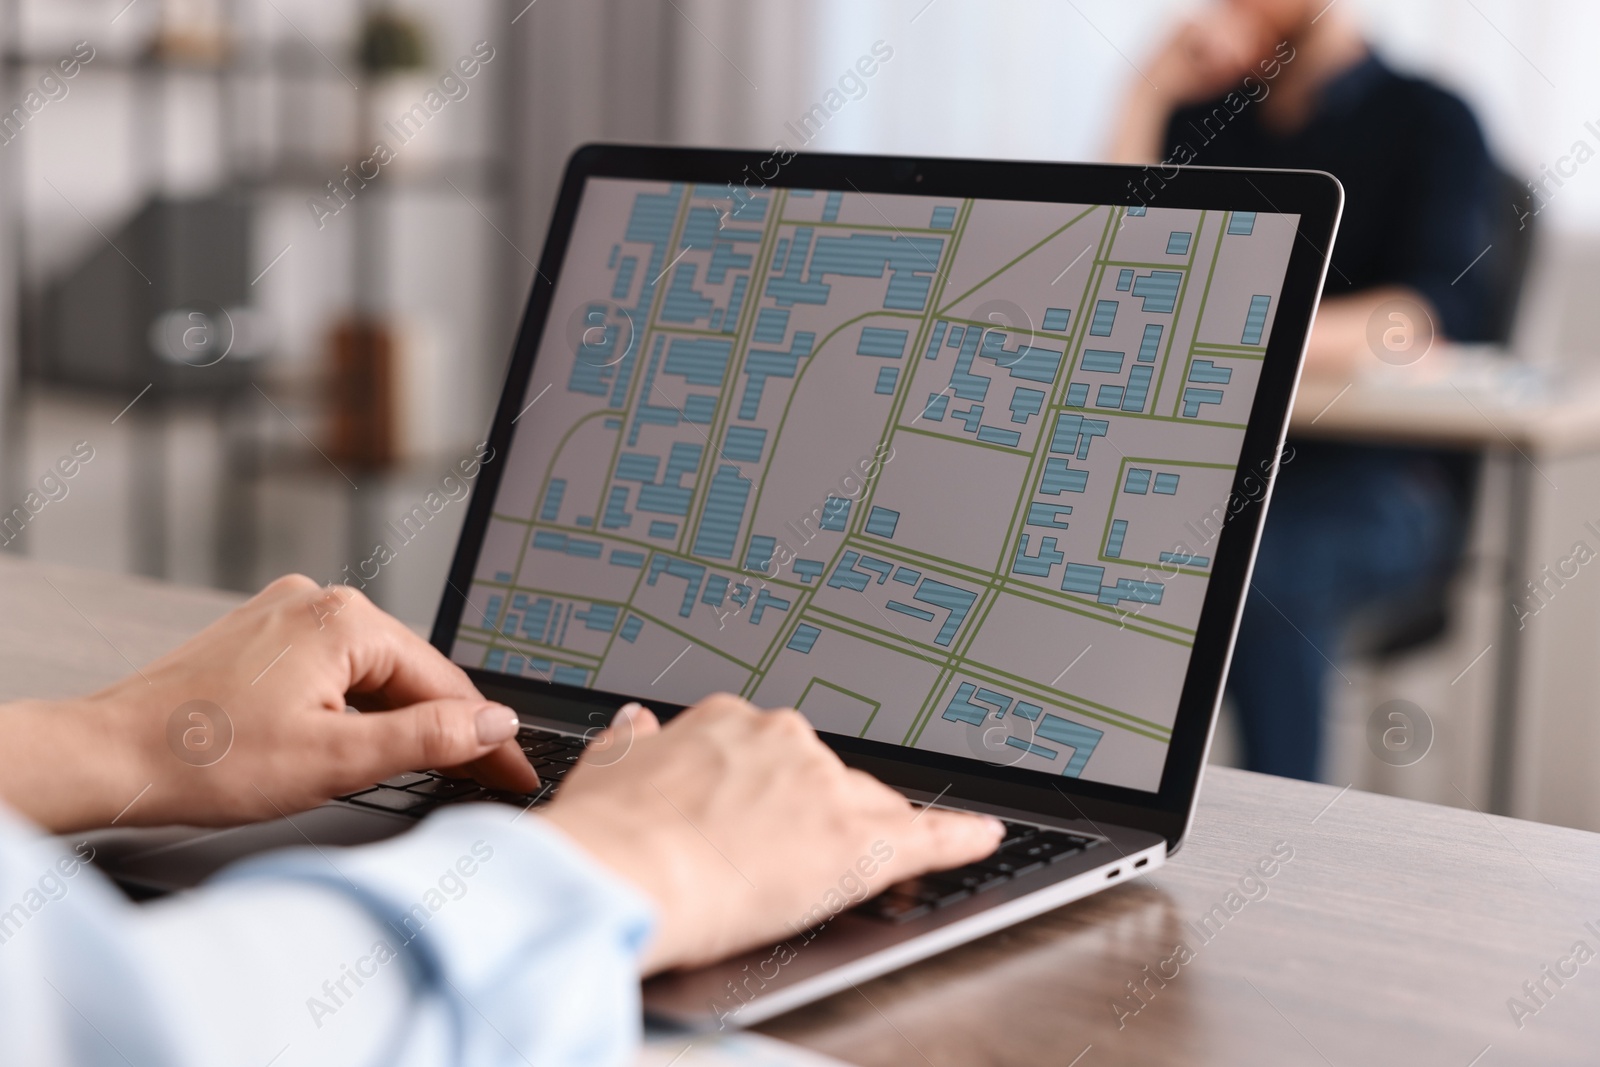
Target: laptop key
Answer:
[[399, 800], [894, 906], [405, 778], [445, 788]]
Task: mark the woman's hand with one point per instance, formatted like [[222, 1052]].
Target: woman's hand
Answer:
[[744, 827], [248, 721]]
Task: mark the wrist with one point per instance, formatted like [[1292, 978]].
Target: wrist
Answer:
[[69, 764], [647, 862]]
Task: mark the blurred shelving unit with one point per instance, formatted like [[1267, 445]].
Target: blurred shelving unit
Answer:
[[168, 256]]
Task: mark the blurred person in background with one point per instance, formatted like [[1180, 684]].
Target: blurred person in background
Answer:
[[1352, 529]]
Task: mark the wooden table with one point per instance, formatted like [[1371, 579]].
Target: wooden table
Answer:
[[1395, 933]]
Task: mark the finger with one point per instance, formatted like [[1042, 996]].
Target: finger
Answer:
[[936, 839], [631, 722], [393, 664], [503, 768], [435, 733]]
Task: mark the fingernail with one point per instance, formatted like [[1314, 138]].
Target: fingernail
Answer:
[[627, 713], [496, 723], [995, 826]]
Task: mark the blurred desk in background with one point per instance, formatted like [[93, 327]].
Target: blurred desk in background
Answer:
[[1394, 932], [1540, 435]]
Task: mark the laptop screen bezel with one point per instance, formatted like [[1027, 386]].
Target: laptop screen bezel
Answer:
[[1314, 196]]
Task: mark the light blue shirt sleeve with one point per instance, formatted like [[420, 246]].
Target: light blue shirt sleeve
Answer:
[[481, 937]]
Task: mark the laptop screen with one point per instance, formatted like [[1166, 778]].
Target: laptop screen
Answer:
[[942, 473]]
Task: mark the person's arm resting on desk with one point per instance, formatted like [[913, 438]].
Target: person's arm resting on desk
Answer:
[[484, 936]]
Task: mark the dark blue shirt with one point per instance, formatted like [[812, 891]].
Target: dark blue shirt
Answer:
[[1419, 183]]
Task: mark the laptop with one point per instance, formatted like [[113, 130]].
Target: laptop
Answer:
[[967, 461]]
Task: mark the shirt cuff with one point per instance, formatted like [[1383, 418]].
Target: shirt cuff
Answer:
[[519, 933]]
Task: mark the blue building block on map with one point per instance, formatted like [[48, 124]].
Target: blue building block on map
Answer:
[[955, 338], [692, 574], [1077, 394], [699, 408], [1150, 344], [1081, 739], [952, 598], [882, 568], [1194, 398], [972, 705], [1158, 290], [1026, 403], [665, 531], [996, 435], [1109, 396], [761, 364], [881, 522], [744, 443], [601, 617], [1124, 279], [936, 340], [1138, 390], [630, 628], [1060, 478], [1128, 589], [1242, 223], [804, 638], [1206, 372], [759, 556], [845, 575], [1048, 515], [907, 609], [1114, 539], [807, 569], [1105, 318], [1056, 319], [1137, 209], [907, 576], [1031, 748], [771, 326], [972, 418], [1025, 710], [830, 207], [965, 384], [765, 600], [698, 360], [1102, 361], [1028, 362], [835, 513], [1082, 578], [622, 558], [944, 217], [1178, 242], [933, 411], [565, 675], [716, 590], [1167, 484], [887, 377], [552, 500], [1186, 559], [723, 514], [1040, 564], [877, 341], [1138, 481], [1255, 320]]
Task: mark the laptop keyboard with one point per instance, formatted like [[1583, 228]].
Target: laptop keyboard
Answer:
[[1023, 850]]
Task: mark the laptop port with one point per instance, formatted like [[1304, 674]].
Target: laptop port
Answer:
[[1112, 873], [1144, 860]]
